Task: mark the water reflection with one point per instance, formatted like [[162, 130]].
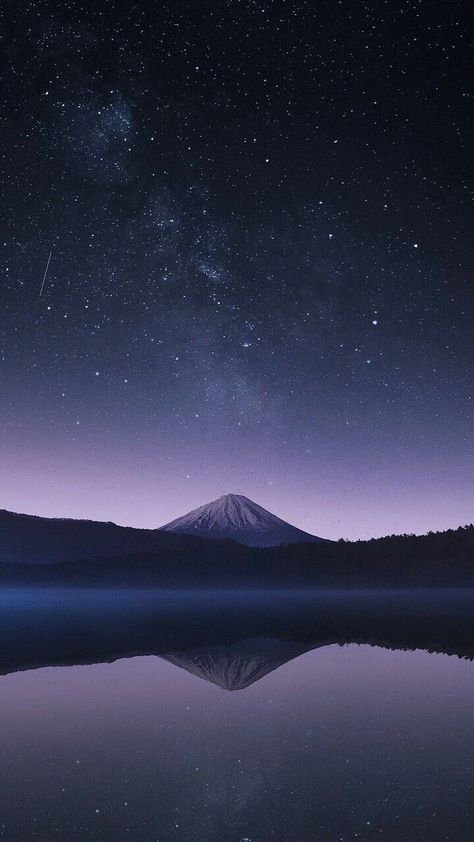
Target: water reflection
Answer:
[[318, 743], [236, 666], [231, 639]]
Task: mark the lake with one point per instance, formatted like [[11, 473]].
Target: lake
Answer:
[[247, 717]]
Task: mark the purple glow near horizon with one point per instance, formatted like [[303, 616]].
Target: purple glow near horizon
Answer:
[[349, 498]]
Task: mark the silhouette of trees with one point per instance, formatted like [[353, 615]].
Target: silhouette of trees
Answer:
[[437, 559]]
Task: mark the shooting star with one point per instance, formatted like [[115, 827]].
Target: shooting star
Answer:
[[46, 272]]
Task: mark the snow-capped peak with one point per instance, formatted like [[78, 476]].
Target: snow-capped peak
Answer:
[[235, 516]]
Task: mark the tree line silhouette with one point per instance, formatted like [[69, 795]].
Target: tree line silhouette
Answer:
[[441, 559]]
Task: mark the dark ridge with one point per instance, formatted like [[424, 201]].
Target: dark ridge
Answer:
[[444, 559]]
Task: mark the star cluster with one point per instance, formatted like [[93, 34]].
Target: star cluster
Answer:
[[258, 219]]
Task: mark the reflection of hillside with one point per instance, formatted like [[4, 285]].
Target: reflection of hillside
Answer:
[[231, 640]]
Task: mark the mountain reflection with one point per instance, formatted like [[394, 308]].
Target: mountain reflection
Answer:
[[229, 639], [238, 665]]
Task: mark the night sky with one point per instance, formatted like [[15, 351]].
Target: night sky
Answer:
[[258, 216]]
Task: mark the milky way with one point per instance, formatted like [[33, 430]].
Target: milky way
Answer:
[[259, 282]]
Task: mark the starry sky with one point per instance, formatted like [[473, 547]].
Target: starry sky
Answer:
[[236, 252]]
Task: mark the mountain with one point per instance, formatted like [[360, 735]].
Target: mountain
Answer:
[[28, 539], [37, 551], [236, 517]]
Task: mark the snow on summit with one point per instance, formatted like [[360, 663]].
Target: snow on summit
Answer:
[[235, 516]]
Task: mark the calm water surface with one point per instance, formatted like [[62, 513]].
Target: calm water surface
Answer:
[[245, 736]]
